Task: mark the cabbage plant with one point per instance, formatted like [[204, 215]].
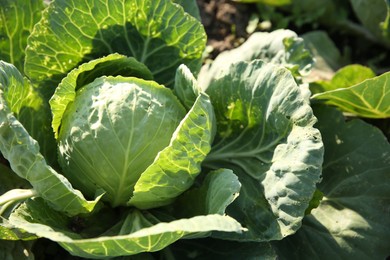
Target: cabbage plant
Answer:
[[115, 141]]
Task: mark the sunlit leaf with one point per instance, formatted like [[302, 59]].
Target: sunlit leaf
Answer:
[[17, 19], [370, 98], [266, 136], [353, 218], [158, 34], [137, 233]]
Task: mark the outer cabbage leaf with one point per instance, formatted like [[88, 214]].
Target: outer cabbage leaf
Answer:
[[282, 47], [112, 133], [111, 65], [217, 191], [17, 19], [29, 108], [266, 135], [9, 232], [157, 33], [353, 219], [186, 87], [22, 151], [370, 98], [175, 168], [137, 233]]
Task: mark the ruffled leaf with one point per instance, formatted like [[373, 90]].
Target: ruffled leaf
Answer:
[[266, 135], [353, 218], [282, 47]]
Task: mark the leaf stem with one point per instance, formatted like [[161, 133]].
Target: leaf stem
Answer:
[[13, 196]]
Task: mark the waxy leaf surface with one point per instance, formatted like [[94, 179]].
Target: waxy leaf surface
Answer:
[[266, 136], [159, 34], [353, 218], [138, 233], [17, 19]]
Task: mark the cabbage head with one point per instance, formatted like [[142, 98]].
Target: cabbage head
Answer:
[[117, 131], [113, 131]]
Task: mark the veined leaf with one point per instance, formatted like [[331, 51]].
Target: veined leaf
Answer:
[[22, 151], [175, 168], [17, 19], [282, 47], [157, 33], [266, 135], [26, 103], [353, 218], [137, 232], [370, 98], [345, 77]]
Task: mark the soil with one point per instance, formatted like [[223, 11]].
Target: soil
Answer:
[[225, 23]]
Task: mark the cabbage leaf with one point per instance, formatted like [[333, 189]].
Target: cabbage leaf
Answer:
[[266, 136], [25, 102], [353, 218], [369, 98], [218, 190], [281, 47], [137, 232], [17, 19], [22, 151], [157, 33], [175, 168]]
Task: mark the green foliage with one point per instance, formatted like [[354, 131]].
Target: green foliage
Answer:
[[355, 90], [353, 217], [115, 143], [150, 31], [17, 19]]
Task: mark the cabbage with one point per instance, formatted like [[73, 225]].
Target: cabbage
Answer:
[[115, 142]]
